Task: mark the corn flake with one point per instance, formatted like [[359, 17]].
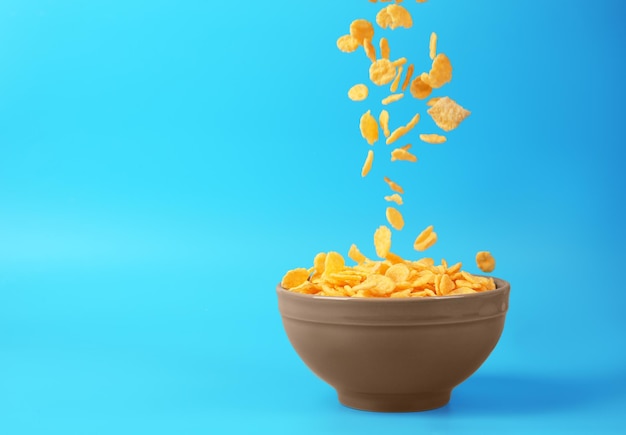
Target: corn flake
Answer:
[[433, 45], [392, 98], [358, 92], [440, 72], [384, 48], [420, 89], [382, 72], [382, 241], [369, 128], [383, 119], [347, 43], [485, 261], [425, 240], [447, 114], [367, 165], [361, 30], [394, 198], [294, 278], [394, 16], [433, 138], [395, 219], [394, 186], [402, 154]]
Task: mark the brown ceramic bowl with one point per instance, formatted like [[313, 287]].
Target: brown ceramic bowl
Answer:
[[394, 355]]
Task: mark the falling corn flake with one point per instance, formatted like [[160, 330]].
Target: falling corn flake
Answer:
[[370, 51], [440, 72], [425, 240], [432, 101], [384, 122], [394, 217], [384, 48], [394, 16], [394, 198], [420, 89], [433, 45], [367, 166], [402, 154], [396, 81], [361, 30], [347, 43], [382, 72], [391, 99], [447, 114], [369, 128], [356, 255], [394, 186], [407, 77], [485, 261], [433, 138], [358, 92], [382, 241], [402, 130]]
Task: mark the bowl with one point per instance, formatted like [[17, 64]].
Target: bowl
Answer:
[[394, 355]]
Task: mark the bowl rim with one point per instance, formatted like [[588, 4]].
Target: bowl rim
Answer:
[[502, 286]]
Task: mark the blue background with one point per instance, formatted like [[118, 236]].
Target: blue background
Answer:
[[163, 163]]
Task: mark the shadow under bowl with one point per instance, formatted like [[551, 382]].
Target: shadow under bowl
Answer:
[[394, 355]]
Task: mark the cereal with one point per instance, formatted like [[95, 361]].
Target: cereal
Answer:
[[384, 48], [407, 77], [447, 114], [392, 98], [425, 240], [382, 72], [440, 72], [358, 92], [433, 45], [361, 29], [356, 255], [401, 131], [433, 138], [402, 154], [347, 43], [367, 166], [432, 101], [485, 261], [395, 219], [383, 119], [370, 51], [382, 241], [394, 16], [394, 198], [420, 89], [369, 128], [392, 276], [396, 81], [294, 278], [394, 186]]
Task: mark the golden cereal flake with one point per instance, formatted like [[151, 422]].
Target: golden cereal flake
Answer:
[[394, 16], [384, 48], [382, 72], [358, 92], [426, 239], [398, 272], [432, 101], [433, 138], [383, 119], [391, 99], [403, 155], [485, 261], [334, 263], [440, 72], [447, 114], [396, 81], [394, 198], [355, 254], [420, 89], [407, 77], [402, 130], [394, 186], [294, 278], [394, 217], [433, 45], [361, 29], [347, 43], [370, 51], [367, 165], [382, 241], [369, 128]]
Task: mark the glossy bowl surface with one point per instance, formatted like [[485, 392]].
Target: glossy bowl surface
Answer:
[[394, 355]]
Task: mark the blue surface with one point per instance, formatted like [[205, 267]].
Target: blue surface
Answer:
[[163, 163]]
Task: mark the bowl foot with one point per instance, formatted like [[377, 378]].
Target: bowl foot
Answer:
[[394, 402]]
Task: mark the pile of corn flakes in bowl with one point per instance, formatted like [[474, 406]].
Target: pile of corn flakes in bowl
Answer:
[[394, 334]]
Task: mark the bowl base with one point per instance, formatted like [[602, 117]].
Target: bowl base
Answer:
[[394, 402]]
